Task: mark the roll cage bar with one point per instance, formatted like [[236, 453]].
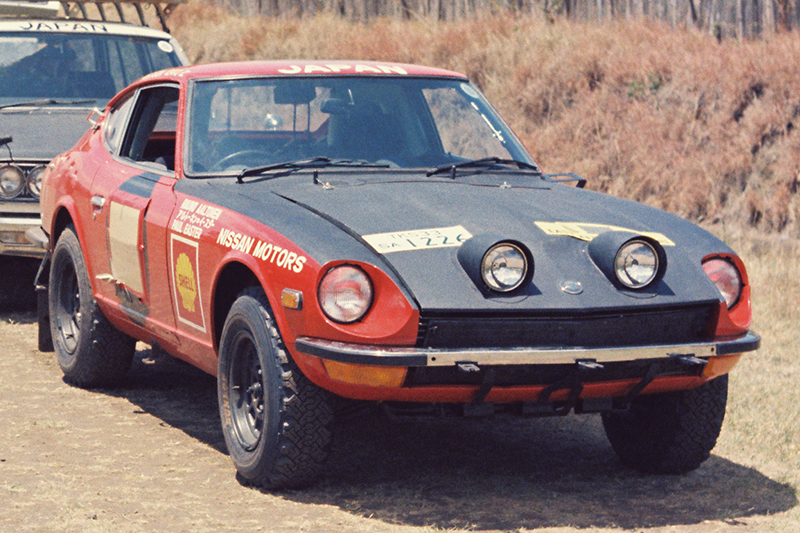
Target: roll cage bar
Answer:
[[162, 10], [128, 11]]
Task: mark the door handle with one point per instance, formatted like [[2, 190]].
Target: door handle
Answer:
[[97, 205]]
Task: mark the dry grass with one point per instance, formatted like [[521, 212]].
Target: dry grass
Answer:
[[675, 119], [704, 129], [763, 420]]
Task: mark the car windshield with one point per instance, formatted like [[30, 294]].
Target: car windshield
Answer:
[[36, 66], [392, 121]]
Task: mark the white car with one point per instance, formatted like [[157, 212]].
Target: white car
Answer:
[[54, 71]]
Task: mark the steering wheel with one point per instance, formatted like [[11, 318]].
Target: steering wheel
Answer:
[[243, 155]]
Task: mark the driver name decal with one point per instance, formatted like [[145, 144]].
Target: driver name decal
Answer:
[[420, 239], [193, 218]]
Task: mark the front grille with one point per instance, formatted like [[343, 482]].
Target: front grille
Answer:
[[584, 329]]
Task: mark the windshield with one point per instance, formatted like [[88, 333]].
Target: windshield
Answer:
[[393, 121], [47, 65]]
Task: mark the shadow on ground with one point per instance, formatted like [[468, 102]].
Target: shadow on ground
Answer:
[[481, 474], [17, 292]]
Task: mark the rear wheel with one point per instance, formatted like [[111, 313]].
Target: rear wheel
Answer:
[[275, 421], [670, 433], [90, 351]]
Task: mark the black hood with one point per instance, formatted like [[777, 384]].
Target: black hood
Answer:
[[554, 222], [41, 133]]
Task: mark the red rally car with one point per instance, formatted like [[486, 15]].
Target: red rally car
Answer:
[[308, 230]]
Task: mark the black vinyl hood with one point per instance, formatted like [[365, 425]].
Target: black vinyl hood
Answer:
[[416, 224]]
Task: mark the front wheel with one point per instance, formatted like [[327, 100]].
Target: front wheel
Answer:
[[670, 433], [90, 351], [275, 421]]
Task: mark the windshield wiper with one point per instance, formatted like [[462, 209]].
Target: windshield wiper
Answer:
[[486, 162], [47, 102], [315, 162]]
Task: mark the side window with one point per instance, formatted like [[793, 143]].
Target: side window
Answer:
[[115, 124], [150, 137]]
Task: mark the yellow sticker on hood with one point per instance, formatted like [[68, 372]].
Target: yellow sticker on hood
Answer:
[[586, 231]]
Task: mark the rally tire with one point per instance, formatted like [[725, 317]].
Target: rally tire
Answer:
[[275, 421], [670, 433], [90, 351]]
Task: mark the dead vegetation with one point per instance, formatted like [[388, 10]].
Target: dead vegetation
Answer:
[[672, 118]]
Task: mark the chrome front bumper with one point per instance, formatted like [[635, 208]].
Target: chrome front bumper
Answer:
[[402, 356], [16, 218]]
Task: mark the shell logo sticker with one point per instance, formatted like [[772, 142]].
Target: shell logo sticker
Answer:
[[586, 231], [184, 277], [188, 301]]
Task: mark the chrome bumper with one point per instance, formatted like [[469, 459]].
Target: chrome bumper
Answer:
[[15, 221], [402, 356]]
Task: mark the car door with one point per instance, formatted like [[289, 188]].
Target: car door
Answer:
[[132, 197]]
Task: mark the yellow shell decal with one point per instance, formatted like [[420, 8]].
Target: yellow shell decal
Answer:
[[586, 231], [186, 282], [187, 296]]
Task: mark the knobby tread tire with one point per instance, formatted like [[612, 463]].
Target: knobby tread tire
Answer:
[[292, 454], [102, 354], [670, 433]]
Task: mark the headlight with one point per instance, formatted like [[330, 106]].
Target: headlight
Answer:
[[345, 294], [636, 264], [726, 277], [35, 180], [504, 267], [12, 181]]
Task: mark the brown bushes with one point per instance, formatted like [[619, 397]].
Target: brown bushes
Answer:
[[676, 119]]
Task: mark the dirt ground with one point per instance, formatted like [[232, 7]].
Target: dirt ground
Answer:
[[149, 456]]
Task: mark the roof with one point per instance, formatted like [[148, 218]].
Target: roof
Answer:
[[78, 26], [302, 68]]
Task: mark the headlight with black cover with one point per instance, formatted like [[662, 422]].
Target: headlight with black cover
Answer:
[[496, 265], [504, 267], [634, 262]]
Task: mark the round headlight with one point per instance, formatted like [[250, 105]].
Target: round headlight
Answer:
[[726, 277], [504, 267], [35, 180], [345, 294], [636, 264], [12, 181]]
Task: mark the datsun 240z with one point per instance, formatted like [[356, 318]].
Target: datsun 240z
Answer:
[[308, 231]]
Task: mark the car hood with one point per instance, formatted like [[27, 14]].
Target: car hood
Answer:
[[41, 133], [417, 224]]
